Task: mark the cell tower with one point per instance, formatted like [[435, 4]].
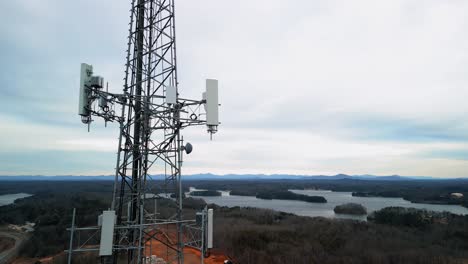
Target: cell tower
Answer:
[[151, 115]]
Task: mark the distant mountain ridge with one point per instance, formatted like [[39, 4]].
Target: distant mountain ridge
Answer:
[[209, 176]]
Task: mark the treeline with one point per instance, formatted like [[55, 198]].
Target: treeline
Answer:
[[45, 187], [288, 195], [411, 217], [51, 209], [350, 208], [434, 197], [52, 214], [267, 237], [250, 235]]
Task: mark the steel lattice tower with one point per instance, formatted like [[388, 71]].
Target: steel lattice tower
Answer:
[[151, 119], [150, 69]]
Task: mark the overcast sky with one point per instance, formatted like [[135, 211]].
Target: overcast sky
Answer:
[[306, 87]]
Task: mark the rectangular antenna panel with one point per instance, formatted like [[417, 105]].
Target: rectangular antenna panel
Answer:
[[107, 233], [210, 228], [212, 106], [85, 78], [171, 95]]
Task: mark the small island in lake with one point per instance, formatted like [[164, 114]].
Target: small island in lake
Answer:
[[288, 195], [351, 209], [205, 193]]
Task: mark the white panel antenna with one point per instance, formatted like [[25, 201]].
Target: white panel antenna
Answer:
[[107, 233], [85, 81], [210, 228], [91, 90], [211, 105], [171, 95]]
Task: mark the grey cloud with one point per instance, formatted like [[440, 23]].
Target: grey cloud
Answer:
[[360, 72]]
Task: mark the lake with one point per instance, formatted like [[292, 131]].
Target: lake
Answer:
[[325, 209], [10, 198]]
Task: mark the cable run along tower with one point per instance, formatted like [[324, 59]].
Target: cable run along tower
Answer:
[[151, 115]]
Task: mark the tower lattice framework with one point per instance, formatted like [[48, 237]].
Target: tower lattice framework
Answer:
[[150, 128], [151, 115]]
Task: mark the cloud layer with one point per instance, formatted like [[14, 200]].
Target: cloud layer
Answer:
[[307, 87]]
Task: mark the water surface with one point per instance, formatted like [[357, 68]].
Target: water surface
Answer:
[[326, 209], [10, 198]]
